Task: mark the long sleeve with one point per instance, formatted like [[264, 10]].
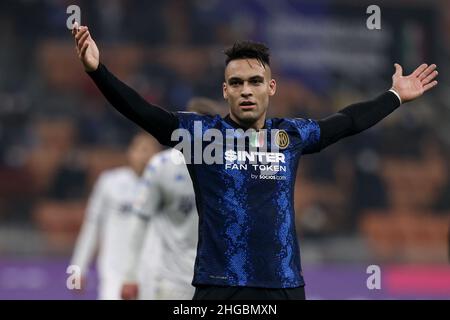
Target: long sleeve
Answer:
[[155, 120], [355, 118], [145, 205], [88, 239]]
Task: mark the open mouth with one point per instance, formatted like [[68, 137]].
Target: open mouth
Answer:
[[247, 105]]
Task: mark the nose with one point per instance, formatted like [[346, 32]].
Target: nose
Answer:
[[246, 91]]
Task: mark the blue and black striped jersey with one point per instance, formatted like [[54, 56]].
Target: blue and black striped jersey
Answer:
[[247, 233], [245, 202]]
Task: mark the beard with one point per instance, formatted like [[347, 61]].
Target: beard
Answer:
[[248, 117]]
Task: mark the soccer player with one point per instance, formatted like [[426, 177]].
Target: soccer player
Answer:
[[164, 230], [247, 247], [107, 218]]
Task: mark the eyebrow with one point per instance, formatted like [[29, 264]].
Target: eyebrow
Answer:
[[250, 79], [256, 78]]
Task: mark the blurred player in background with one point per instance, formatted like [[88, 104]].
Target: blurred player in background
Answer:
[[164, 230], [107, 218]]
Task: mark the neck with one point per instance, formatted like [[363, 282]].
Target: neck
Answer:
[[258, 124]]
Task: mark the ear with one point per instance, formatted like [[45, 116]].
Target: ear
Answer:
[[225, 93], [272, 87]]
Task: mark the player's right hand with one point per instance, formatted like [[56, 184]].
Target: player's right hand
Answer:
[[86, 48], [129, 291]]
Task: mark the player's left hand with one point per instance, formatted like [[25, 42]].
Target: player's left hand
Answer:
[[129, 291], [413, 86]]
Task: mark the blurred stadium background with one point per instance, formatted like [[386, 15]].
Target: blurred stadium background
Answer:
[[382, 197]]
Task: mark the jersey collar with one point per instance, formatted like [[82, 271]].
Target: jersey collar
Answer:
[[236, 125]]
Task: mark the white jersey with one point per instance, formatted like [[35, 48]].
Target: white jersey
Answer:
[[166, 197], [106, 227]]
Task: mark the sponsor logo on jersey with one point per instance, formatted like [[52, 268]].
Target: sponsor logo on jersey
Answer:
[[267, 163], [254, 156]]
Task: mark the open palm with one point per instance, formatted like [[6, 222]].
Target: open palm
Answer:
[[417, 83], [86, 48]]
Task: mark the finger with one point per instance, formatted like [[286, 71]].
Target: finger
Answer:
[[75, 28], [430, 85], [83, 49], [430, 78], [398, 70], [419, 70], [83, 39], [80, 33], [74, 33], [427, 72], [80, 45]]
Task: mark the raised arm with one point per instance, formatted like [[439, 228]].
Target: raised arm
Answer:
[[155, 120], [361, 116]]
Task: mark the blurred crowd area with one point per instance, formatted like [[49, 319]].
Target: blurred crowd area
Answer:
[[389, 186]]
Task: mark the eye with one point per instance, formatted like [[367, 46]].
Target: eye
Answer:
[[234, 83], [256, 81]]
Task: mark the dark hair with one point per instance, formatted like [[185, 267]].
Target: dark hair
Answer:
[[248, 50]]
